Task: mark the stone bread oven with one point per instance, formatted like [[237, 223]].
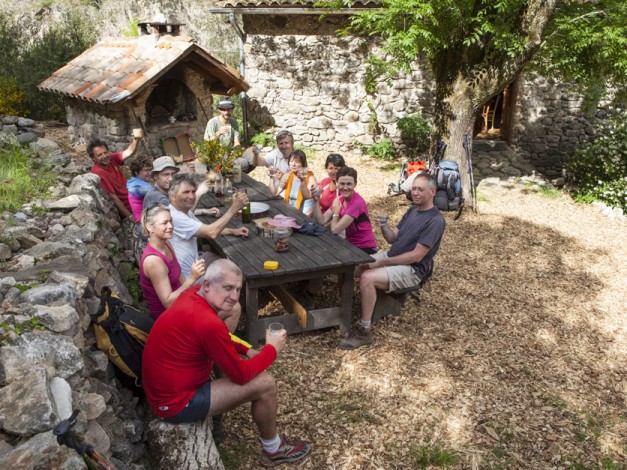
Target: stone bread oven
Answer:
[[160, 81]]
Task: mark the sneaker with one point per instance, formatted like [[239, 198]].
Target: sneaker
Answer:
[[290, 450], [218, 433], [358, 336]]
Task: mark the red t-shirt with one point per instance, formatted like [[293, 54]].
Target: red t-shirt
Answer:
[[183, 345], [112, 179]]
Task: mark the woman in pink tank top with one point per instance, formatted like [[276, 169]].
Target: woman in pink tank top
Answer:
[[159, 271]]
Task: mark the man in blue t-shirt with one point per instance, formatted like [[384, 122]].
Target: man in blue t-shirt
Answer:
[[415, 241]]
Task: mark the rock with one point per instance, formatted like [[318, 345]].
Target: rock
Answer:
[[92, 405], [49, 294], [22, 262], [9, 240], [99, 438], [73, 233], [56, 354], [56, 318], [26, 138], [57, 458], [10, 129], [26, 407], [41, 271], [5, 252], [23, 236], [177, 446], [5, 448], [25, 122], [10, 119], [48, 250], [78, 282], [82, 216], [89, 183], [44, 147], [66, 204], [62, 397], [6, 283], [57, 158], [20, 217], [99, 364], [40, 442]]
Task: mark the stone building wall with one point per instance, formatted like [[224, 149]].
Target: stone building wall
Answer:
[[550, 123], [313, 83]]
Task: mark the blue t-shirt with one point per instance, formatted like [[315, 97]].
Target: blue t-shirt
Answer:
[[424, 227]]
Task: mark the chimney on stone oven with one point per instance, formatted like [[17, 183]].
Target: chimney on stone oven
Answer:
[[159, 27]]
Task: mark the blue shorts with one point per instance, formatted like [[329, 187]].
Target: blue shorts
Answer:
[[197, 408]]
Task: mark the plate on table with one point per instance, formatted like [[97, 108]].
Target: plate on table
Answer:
[[257, 208]]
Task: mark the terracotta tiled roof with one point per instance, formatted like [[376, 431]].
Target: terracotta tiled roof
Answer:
[[117, 69], [287, 3]]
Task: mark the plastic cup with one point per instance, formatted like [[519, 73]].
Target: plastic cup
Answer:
[[383, 219], [138, 133], [274, 329]]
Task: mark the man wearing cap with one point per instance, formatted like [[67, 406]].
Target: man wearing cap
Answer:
[[107, 166], [163, 170], [224, 127]]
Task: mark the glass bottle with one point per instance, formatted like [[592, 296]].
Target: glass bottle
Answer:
[[228, 194], [246, 215], [237, 171], [218, 184]]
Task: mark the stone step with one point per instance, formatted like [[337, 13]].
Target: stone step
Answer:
[[484, 145]]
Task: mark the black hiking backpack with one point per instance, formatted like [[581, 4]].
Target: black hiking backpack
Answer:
[[449, 193], [121, 333]]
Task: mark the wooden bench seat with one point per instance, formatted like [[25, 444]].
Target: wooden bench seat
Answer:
[[390, 303]]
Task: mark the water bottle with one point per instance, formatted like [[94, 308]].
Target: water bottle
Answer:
[[228, 194]]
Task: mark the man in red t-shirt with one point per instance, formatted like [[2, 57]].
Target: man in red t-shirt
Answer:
[[112, 180], [188, 339]]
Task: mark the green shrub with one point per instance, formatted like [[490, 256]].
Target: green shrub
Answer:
[[263, 139], [415, 132], [383, 150], [599, 167], [20, 182], [12, 98]]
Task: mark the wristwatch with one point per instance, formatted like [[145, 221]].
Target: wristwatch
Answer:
[[335, 215]]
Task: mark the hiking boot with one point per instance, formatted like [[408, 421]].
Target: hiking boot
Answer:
[[290, 450], [358, 336], [217, 432]]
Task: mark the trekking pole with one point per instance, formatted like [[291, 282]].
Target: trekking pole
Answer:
[[67, 437], [473, 189]]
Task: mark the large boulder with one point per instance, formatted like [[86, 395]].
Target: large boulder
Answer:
[[24, 237], [49, 250], [58, 458], [89, 183], [44, 147], [56, 354], [49, 294], [59, 318], [176, 446], [26, 407]]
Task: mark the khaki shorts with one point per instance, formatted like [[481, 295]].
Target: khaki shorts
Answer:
[[400, 276]]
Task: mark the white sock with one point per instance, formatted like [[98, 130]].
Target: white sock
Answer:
[[271, 445], [365, 323]]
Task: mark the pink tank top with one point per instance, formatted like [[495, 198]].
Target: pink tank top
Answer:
[[174, 276]]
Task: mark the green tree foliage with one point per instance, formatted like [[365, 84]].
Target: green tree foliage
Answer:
[[28, 64], [600, 166], [12, 98], [475, 48]]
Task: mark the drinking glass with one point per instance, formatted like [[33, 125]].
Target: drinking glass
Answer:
[[274, 329]]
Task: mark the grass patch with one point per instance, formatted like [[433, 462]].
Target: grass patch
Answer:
[[545, 191], [20, 180], [425, 456], [25, 287], [352, 409]]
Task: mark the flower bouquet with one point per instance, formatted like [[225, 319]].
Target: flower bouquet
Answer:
[[214, 155]]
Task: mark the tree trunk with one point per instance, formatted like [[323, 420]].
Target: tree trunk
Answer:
[[182, 446]]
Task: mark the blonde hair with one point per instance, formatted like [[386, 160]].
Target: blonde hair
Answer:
[[149, 215]]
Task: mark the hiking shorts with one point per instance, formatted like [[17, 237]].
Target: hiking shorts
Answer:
[[399, 276], [196, 409]]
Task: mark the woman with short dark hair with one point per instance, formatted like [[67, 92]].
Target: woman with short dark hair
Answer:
[[348, 213], [328, 186]]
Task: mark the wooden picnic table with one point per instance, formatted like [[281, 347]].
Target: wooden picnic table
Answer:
[[309, 257]]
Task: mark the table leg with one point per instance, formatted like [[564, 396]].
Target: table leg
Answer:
[[345, 281], [252, 316]]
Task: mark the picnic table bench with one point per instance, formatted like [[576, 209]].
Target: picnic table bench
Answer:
[[308, 257]]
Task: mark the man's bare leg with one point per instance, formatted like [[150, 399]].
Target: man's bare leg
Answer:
[[369, 282], [260, 391]]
